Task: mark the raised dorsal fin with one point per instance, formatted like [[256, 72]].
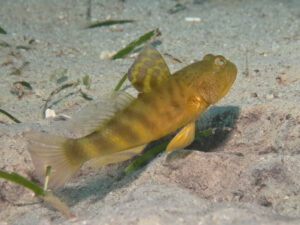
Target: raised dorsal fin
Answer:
[[148, 70], [91, 116]]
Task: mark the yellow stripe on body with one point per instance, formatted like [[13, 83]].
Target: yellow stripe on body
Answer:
[[124, 131], [89, 147], [101, 142], [119, 141], [151, 113], [138, 122], [146, 83], [139, 129]]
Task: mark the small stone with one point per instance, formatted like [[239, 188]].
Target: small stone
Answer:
[[278, 80], [58, 52], [38, 93], [106, 54], [133, 55], [62, 117], [50, 113], [275, 47], [278, 95], [269, 96], [254, 95], [192, 19], [62, 17]]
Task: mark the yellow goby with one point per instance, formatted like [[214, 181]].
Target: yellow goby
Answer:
[[165, 103]]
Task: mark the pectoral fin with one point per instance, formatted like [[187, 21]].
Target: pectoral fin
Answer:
[[183, 138], [115, 157], [148, 70]]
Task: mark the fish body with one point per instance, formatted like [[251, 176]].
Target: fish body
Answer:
[[165, 103]]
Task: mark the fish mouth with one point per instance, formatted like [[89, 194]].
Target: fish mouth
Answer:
[[231, 73], [233, 70]]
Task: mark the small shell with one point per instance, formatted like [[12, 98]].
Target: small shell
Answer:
[[192, 19]]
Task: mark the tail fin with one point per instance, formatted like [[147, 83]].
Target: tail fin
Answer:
[[48, 150]]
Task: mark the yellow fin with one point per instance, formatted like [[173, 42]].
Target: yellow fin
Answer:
[[148, 70], [90, 117], [47, 150], [115, 157], [183, 138]]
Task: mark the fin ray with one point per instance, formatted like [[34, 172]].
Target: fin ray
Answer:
[[47, 150], [93, 115]]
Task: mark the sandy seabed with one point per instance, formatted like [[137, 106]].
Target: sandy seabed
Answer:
[[246, 173]]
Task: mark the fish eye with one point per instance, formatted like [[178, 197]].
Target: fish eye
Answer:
[[220, 62]]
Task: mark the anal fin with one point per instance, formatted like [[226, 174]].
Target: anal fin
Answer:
[[115, 157], [183, 138]]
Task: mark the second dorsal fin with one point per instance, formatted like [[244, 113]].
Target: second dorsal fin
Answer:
[[93, 115], [148, 70]]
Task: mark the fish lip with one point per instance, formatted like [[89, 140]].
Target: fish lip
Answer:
[[234, 72], [231, 72]]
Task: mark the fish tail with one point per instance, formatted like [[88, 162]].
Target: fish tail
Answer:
[[50, 150]]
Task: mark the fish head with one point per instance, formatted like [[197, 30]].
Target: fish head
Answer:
[[213, 77]]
